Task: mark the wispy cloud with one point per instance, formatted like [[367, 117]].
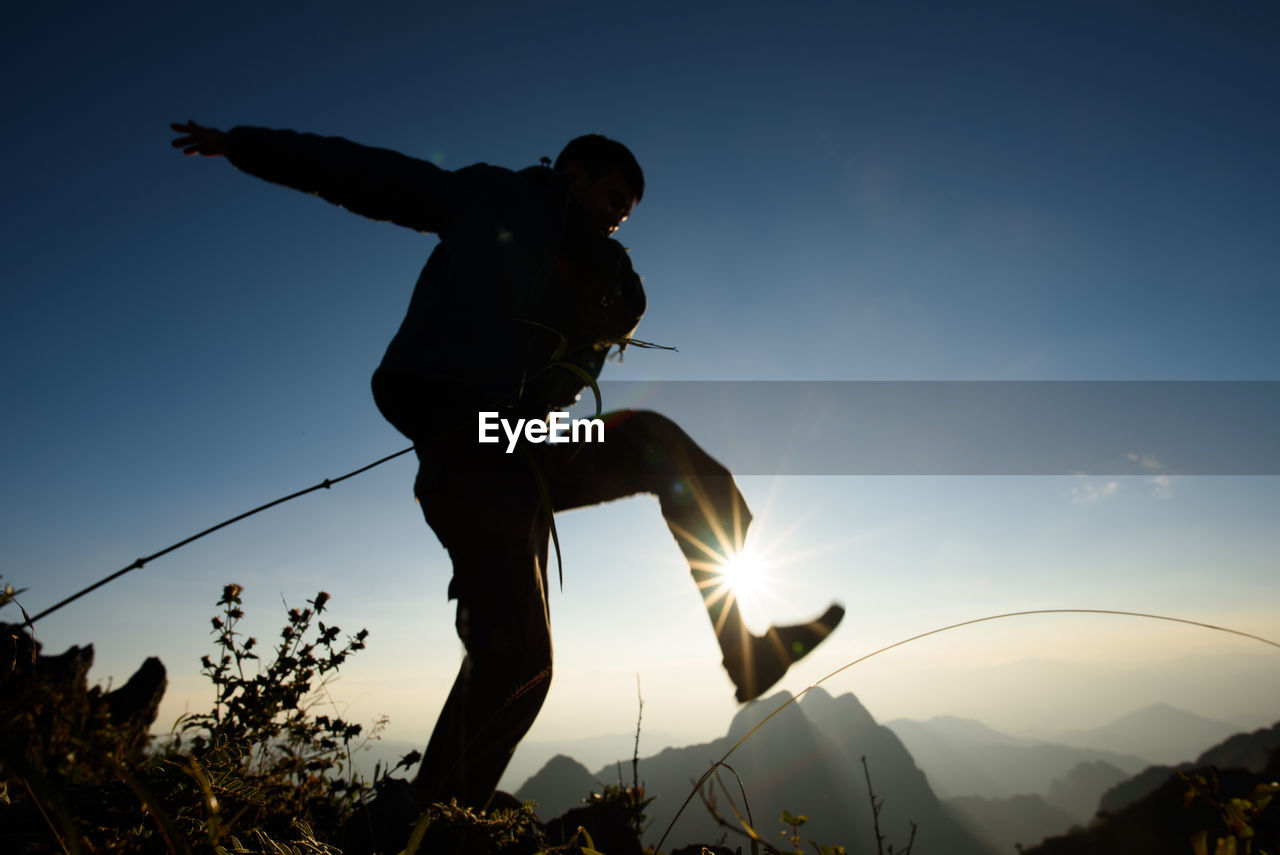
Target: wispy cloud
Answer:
[[1146, 461], [1161, 485], [1094, 491]]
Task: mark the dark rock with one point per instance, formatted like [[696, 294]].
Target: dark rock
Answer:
[[607, 823], [384, 824], [53, 718], [133, 707]]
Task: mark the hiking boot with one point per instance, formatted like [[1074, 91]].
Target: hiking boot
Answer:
[[764, 659]]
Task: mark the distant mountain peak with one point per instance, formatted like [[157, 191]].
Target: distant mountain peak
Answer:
[[1159, 732], [560, 785], [1163, 711], [563, 762], [839, 717], [755, 712], [805, 759], [955, 728], [816, 695]]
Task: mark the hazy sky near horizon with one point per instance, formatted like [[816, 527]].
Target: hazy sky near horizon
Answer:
[[835, 191]]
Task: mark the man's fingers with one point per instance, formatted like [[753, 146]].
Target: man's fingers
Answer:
[[190, 139], [197, 139], [189, 145]]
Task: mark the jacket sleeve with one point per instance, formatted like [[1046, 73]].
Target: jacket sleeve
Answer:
[[373, 182]]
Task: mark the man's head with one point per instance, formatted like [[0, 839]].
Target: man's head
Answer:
[[606, 180]]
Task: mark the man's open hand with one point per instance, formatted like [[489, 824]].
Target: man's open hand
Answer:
[[197, 139]]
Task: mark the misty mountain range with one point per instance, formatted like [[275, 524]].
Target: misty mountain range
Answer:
[[1152, 814], [807, 760], [1011, 790], [967, 788], [962, 757]]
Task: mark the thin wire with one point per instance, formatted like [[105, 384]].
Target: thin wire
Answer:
[[885, 649], [325, 484]]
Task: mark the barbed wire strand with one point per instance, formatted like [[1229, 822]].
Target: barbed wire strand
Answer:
[[329, 482], [1112, 612], [325, 484]]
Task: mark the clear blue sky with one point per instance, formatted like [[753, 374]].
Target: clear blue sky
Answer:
[[906, 191]]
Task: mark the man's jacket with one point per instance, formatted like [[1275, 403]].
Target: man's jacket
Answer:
[[511, 263]]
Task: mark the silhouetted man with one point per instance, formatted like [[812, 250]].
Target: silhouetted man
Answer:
[[520, 301]]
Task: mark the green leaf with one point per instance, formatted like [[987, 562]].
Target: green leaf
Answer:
[[788, 819], [590, 848]]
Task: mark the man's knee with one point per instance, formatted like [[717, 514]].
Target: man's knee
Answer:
[[517, 674], [685, 469], [498, 623], [663, 445], [655, 426], [506, 634]]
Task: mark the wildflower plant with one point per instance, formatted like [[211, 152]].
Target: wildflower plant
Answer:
[[262, 752]]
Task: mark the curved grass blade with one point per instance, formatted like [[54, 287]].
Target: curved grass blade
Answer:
[[563, 346], [545, 493], [586, 378], [939, 630]]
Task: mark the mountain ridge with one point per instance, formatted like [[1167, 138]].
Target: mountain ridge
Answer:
[[807, 759], [809, 756]]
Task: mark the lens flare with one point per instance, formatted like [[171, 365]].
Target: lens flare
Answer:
[[744, 573]]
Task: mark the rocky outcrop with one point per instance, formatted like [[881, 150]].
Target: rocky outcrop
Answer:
[[53, 718]]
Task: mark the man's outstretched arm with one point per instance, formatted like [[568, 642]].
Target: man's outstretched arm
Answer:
[[373, 182]]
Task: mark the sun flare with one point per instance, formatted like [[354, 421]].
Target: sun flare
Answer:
[[744, 573]]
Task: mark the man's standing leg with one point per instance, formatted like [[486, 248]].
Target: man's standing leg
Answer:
[[486, 510]]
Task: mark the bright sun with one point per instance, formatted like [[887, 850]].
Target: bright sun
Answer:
[[744, 573]]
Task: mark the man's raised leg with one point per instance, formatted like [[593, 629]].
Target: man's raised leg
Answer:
[[646, 452]]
